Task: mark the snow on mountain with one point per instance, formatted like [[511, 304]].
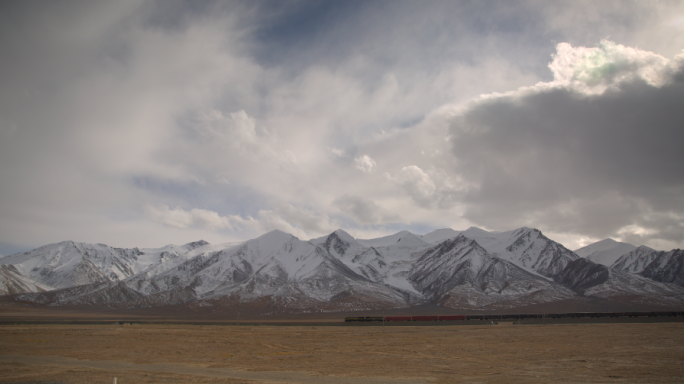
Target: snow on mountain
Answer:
[[340, 244], [307, 269], [592, 279], [407, 237], [208, 268], [661, 266], [527, 248], [474, 269], [385, 260], [637, 260], [461, 273], [278, 267], [605, 252], [69, 264], [12, 282], [667, 268], [439, 235], [388, 260]]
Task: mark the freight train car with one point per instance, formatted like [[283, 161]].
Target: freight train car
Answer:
[[407, 318], [364, 319], [518, 316]]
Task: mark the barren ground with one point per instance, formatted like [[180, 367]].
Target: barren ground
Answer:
[[561, 353]]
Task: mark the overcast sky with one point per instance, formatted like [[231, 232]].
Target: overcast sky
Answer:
[[147, 123]]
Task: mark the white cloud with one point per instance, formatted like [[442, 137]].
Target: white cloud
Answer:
[[594, 70], [237, 134], [418, 185], [202, 218], [303, 221], [365, 163], [298, 221]]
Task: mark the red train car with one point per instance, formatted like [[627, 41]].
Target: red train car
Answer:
[[398, 318], [424, 318]]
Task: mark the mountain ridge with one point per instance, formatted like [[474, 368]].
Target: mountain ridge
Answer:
[[473, 269]]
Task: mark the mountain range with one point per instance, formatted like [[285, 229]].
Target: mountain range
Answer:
[[277, 272]]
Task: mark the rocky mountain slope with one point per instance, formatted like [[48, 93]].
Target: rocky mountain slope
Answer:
[[461, 273], [661, 266]]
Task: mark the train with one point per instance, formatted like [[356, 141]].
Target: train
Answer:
[[571, 315]]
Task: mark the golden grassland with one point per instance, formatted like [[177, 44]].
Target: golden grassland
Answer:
[[504, 353]]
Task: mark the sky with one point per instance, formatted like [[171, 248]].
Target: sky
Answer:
[[146, 123]]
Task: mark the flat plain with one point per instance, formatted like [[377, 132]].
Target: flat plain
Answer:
[[503, 353]]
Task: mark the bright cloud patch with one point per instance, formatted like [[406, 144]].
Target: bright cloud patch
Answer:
[[180, 218], [418, 185], [593, 70], [365, 163]]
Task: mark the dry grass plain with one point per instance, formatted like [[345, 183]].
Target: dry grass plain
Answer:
[[505, 353]]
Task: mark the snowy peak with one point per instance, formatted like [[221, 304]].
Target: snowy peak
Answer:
[[526, 247], [344, 236], [196, 244], [637, 260], [596, 247], [405, 237], [439, 235], [459, 272], [408, 239], [270, 242], [339, 244], [475, 232], [605, 252]]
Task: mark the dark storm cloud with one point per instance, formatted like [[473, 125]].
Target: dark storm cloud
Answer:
[[600, 165]]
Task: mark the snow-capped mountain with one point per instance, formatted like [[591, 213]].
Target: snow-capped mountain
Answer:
[[439, 235], [591, 279], [527, 248], [461, 273], [461, 269], [291, 273], [68, 264], [665, 267], [605, 252]]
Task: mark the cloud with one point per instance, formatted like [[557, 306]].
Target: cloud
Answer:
[[365, 163], [286, 217], [433, 190], [594, 152], [299, 221], [202, 218], [264, 114], [418, 185], [594, 70], [237, 133], [364, 211]]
